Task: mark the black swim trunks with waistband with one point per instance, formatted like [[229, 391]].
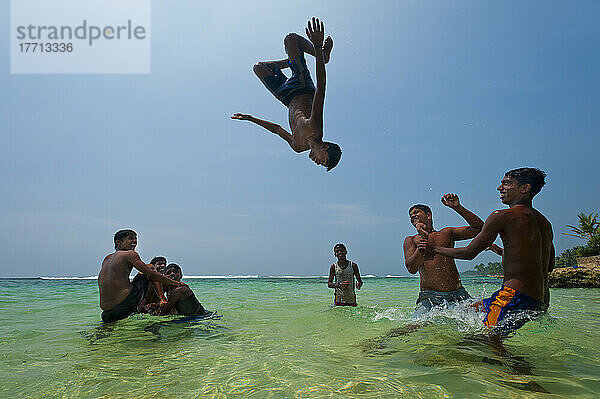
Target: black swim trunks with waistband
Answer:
[[285, 89], [129, 305]]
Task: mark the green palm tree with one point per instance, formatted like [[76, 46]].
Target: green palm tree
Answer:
[[589, 227]]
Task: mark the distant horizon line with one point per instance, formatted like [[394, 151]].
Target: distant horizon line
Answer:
[[207, 277]]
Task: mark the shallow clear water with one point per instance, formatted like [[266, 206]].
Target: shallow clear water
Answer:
[[281, 338]]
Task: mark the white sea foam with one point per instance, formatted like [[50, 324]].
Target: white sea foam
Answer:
[[69, 278], [227, 276], [394, 314], [463, 315], [294, 277]]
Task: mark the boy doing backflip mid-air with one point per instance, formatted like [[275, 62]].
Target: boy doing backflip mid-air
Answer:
[[298, 93]]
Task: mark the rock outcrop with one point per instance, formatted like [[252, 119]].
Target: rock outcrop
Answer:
[[589, 261], [569, 277]]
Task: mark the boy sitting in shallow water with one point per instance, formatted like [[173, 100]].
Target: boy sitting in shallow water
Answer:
[[120, 298], [182, 302], [153, 296]]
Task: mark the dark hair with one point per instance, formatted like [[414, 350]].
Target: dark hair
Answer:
[[532, 176], [334, 153], [339, 244], [421, 207], [121, 234], [173, 266], [155, 260]]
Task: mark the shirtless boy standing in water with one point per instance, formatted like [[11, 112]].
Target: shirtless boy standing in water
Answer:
[[440, 281], [118, 297], [298, 93], [528, 254]]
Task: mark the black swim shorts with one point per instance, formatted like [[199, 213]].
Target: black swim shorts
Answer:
[[285, 89], [129, 305]]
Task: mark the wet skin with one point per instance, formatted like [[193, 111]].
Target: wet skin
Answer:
[[340, 253], [305, 111], [437, 272], [528, 254], [175, 294], [113, 279], [152, 296]]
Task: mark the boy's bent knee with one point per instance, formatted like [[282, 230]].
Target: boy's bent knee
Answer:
[[180, 293], [182, 290], [291, 39], [261, 69]]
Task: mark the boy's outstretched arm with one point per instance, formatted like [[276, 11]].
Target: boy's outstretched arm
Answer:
[[491, 228], [158, 288], [270, 126], [475, 223], [315, 34], [149, 271], [496, 249]]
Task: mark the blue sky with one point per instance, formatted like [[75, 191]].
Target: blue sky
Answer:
[[423, 97]]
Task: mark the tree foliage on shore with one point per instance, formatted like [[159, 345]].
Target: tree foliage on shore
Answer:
[[491, 269], [588, 229]]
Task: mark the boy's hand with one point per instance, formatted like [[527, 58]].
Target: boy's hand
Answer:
[[421, 243], [344, 284], [496, 249], [450, 200], [316, 32], [151, 307], [421, 230], [242, 117], [358, 285]]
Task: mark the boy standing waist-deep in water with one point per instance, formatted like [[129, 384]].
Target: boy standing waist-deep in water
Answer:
[[344, 272], [440, 281], [528, 255]]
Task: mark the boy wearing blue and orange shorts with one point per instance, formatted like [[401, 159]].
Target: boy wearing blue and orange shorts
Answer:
[[528, 254], [508, 309]]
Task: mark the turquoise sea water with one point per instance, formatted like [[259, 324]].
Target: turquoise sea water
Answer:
[[281, 338]]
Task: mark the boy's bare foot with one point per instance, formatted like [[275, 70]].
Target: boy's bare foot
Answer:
[[327, 47]]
